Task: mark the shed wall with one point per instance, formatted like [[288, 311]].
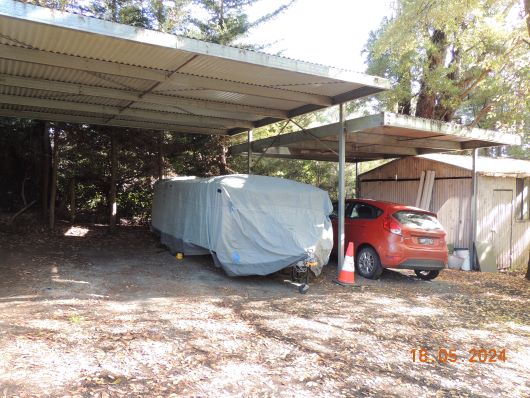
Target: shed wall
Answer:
[[411, 167], [487, 220], [398, 181]]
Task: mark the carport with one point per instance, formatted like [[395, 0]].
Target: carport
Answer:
[[63, 67], [381, 136], [58, 66]]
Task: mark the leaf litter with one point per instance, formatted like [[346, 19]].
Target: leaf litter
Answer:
[[104, 315]]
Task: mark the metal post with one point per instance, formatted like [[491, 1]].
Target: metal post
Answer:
[[342, 166], [473, 233], [249, 151], [112, 191], [357, 182], [55, 167]]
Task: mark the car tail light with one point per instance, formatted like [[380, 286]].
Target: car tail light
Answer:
[[392, 225]]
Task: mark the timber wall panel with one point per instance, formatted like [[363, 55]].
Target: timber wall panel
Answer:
[[486, 214]]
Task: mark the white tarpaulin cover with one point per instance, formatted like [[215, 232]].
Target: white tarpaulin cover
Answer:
[[252, 225]]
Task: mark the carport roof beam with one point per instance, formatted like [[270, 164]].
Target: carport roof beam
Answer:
[[110, 111], [386, 134], [125, 123]]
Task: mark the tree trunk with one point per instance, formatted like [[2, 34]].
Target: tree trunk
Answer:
[[55, 166], [426, 101], [36, 149], [71, 190], [160, 156], [45, 169], [222, 160], [404, 107], [222, 144], [427, 98], [112, 190]]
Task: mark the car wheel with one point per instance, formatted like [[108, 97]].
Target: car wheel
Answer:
[[368, 263], [426, 275]]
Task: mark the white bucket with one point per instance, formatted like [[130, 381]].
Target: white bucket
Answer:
[[464, 254], [455, 262]]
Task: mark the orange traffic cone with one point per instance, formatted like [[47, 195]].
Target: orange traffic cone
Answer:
[[347, 271]]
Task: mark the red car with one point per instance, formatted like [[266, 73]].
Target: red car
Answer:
[[391, 235]]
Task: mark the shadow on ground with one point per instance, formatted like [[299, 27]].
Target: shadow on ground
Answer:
[[116, 315]]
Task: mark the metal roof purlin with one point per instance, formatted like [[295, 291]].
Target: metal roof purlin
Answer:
[[147, 115], [95, 91]]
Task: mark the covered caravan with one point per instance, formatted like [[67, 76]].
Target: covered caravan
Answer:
[[252, 225]]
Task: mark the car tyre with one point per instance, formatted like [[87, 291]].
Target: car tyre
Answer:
[[368, 264], [426, 275]]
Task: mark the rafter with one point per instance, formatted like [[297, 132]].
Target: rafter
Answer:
[[82, 89], [135, 124], [140, 113]]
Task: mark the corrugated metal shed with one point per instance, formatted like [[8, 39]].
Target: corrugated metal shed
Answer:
[[382, 136], [496, 222], [398, 181], [65, 67]]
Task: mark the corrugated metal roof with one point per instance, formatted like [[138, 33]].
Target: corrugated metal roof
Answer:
[[382, 136], [485, 165], [234, 98], [94, 62], [59, 74]]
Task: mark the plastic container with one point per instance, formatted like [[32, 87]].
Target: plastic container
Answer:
[[455, 262], [464, 254]]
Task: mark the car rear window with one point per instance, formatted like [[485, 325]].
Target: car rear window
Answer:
[[363, 211], [416, 219]]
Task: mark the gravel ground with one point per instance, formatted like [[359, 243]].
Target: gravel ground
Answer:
[[86, 314]]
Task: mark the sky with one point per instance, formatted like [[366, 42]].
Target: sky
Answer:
[[328, 32]]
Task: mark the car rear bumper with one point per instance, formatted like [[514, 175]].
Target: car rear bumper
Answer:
[[422, 265], [399, 254]]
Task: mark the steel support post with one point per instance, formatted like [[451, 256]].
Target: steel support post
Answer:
[[342, 167], [249, 151], [473, 232], [357, 183]]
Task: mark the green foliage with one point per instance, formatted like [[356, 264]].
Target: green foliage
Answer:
[[454, 60], [129, 12], [198, 155], [63, 5], [134, 201], [168, 15], [226, 20]]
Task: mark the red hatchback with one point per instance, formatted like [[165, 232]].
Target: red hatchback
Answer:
[[391, 235]]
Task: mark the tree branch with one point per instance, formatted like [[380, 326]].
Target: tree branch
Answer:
[[475, 83], [483, 112]]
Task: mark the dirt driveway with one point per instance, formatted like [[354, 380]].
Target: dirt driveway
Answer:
[[109, 317]]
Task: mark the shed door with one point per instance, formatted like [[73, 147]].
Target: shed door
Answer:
[[502, 227]]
